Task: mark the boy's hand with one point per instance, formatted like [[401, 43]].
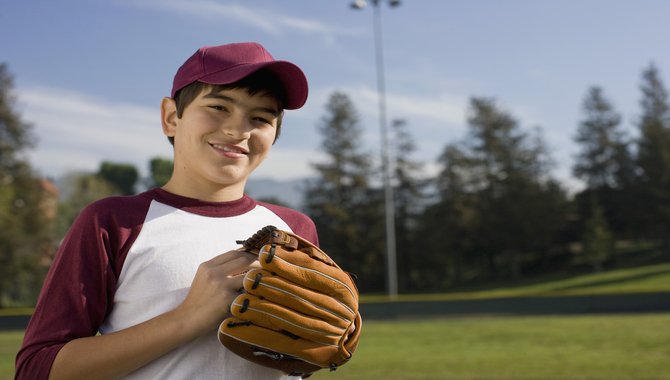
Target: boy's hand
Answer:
[[217, 282]]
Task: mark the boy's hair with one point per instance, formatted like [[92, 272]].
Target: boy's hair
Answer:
[[261, 82]]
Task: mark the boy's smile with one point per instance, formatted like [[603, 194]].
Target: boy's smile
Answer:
[[219, 140], [230, 151]]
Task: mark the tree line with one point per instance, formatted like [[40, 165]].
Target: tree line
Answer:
[[493, 211]]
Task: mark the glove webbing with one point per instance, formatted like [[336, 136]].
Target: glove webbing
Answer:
[[268, 235]]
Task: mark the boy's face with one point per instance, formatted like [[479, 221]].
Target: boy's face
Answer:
[[220, 139]]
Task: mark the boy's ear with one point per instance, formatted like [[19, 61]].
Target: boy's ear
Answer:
[[169, 116]]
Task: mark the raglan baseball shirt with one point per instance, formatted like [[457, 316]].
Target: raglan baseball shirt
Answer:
[[128, 259]]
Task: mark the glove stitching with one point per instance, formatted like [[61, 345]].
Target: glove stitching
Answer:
[[236, 324], [245, 305], [257, 280], [271, 254]]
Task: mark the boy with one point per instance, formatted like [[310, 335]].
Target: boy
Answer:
[[141, 283]]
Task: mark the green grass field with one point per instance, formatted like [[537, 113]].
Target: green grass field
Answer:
[[514, 348], [602, 347], [613, 347], [10, 341]]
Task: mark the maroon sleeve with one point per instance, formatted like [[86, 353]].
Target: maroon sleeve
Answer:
[[300, 223], [78, 291]]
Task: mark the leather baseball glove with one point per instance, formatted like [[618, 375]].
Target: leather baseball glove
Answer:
[[299, 313]]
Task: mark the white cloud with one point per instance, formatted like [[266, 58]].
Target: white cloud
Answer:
[[76, 132], [438, 108], [270, 21], [215, 11], [444, 108]]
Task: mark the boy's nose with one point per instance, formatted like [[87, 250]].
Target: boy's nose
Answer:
[[237, 127]]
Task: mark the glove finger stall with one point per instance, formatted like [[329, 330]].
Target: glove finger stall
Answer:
[[275, 289], [301, 269], [263, 313]]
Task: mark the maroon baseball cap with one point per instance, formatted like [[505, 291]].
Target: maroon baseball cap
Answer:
[[225, 64]]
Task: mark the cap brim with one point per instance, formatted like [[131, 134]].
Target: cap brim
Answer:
[[291, 77]]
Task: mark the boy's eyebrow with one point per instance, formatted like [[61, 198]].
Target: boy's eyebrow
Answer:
[[215, 95]]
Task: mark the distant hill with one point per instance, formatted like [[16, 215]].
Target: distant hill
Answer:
[[289, 192]]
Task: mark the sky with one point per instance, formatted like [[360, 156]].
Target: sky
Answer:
[[89, 75]]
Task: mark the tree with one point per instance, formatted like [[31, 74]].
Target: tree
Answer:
[[605, 164], [653, 155], [341, 202], [409, 202], [160, 170], [496, 181], [600, 140], [26, 228], [447, 226], [597, 241], [122, 176], [78, 191], [509, 167]]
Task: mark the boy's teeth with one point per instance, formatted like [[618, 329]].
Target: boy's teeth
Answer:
[[226, 148]]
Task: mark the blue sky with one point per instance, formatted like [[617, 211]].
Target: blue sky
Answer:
[[89, 75]]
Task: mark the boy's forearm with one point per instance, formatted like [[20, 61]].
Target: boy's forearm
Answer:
[[114, 355]]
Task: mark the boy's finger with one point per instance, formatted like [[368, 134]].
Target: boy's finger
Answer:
[[231, 256], [235, 263]]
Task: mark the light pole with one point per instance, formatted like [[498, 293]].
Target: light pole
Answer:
[[389, 204]]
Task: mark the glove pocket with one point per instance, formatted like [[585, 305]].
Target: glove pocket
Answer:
[[267, 314]]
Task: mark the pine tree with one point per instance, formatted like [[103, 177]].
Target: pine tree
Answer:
[[447, 227], [653, 155], [600, 140], [409, 187], [605, 164], [341, 201], [497, 181]]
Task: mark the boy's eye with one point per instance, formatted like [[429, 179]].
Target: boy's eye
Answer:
[[217, 107], [262, 120]]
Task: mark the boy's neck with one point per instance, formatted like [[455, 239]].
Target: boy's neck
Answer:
[[203, 193]]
